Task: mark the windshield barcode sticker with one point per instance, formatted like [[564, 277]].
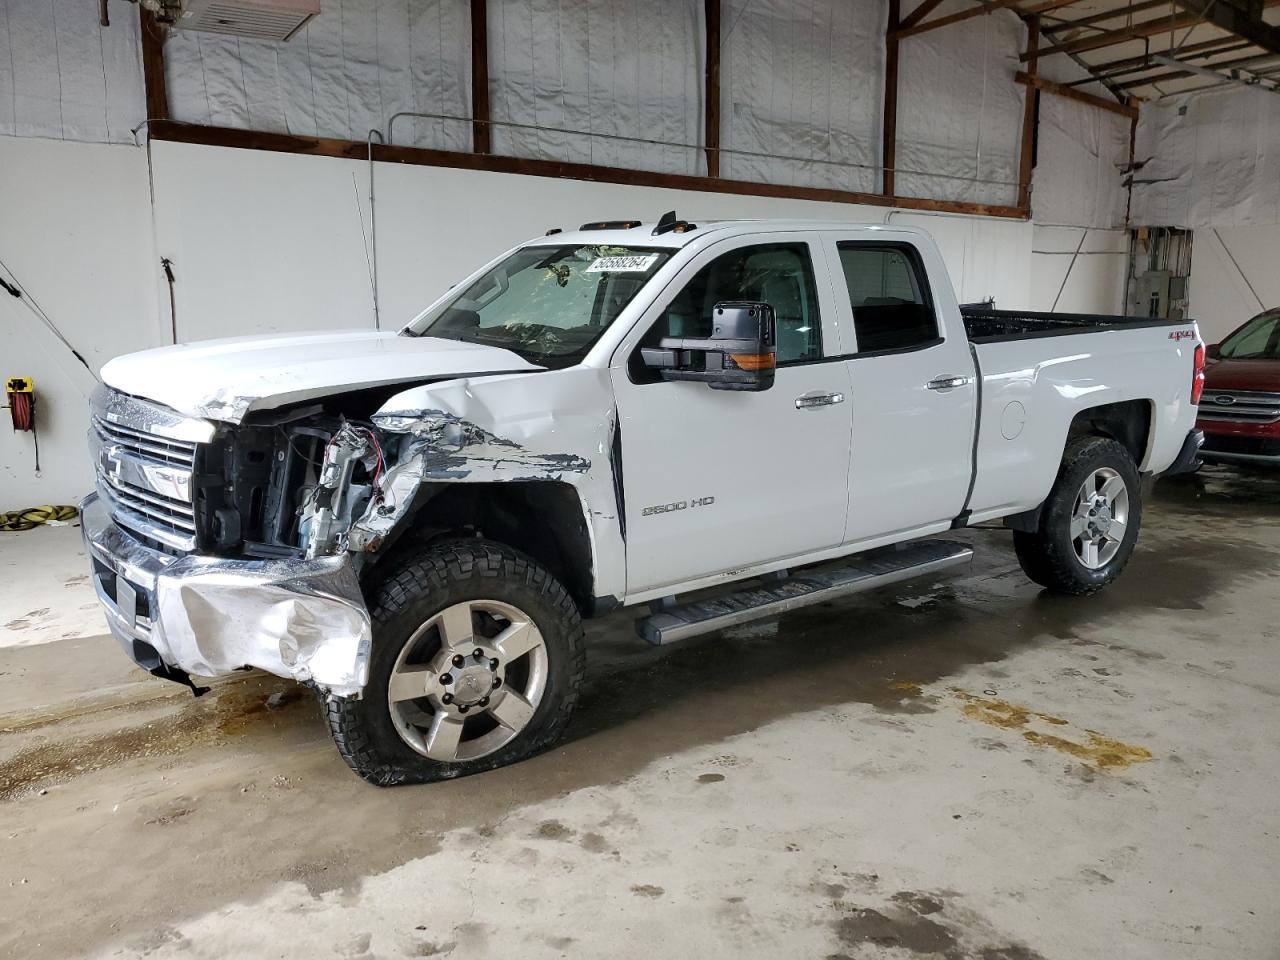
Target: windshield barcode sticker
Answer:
[[632, 264]]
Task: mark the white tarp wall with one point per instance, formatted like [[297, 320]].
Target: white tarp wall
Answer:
[[346, 73], [1081, 157], [802, 79], [960, 110], [799, 78], [802, 87], [1080, 162], [65, 78], [1211, 160], [611, 69], [1211, 163]]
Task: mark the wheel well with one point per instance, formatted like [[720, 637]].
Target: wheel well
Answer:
[[1127, 422], [543, 519]]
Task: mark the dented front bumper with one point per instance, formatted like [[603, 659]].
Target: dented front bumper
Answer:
[[178, 615]]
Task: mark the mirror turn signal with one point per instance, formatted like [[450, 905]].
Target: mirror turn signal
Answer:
[[740, 353]]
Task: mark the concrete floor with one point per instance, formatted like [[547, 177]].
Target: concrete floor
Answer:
[[47, 594], [962, 769]]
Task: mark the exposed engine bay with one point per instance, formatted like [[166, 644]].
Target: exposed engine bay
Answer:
[[289, 485]]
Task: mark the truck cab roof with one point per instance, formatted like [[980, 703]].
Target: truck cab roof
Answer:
[[642, 235]]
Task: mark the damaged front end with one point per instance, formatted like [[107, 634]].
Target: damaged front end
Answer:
[[244, 544], [217, 547]]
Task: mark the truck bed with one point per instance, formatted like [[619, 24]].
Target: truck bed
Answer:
[[985, 325]]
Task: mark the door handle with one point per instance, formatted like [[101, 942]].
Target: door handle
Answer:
[[811, 400], [948, 382]]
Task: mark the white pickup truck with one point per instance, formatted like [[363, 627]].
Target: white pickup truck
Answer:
[[416, 523]]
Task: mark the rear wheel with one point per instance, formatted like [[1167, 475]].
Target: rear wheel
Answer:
[[1089, 524], [477, 660]]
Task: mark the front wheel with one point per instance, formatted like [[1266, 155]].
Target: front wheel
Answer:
[[477, 660], [1090, 521]]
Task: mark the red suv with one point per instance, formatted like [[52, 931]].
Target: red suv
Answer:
[[1240, 408]]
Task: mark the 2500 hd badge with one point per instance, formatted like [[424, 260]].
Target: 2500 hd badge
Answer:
[[678, 505]]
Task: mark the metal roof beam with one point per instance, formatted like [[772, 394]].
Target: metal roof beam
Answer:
[[1205, 48], [1234, 18], [1182, 68], [1245, 78], [1205, 11]]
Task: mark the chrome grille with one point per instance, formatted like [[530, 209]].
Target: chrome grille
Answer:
[[1240, 406], [176, 452], [145, 459]]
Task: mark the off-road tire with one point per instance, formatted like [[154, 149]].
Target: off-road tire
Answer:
[[1047, 556], [415, 589]]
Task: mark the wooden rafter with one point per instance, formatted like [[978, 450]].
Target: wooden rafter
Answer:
[[1071, 93], [1106, 15], [155, 88], [1030, 109], [712, 87], [925, 8], [986, 7], [1146, 28], [529, 166], [480, 137], [889, 150]]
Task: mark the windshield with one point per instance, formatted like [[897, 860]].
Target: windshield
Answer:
[[1259, 339], [548, 304]]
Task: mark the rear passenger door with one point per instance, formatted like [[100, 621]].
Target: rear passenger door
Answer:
[[912, 392]]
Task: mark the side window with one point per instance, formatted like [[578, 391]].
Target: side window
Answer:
[[779, 274], [891, 305]]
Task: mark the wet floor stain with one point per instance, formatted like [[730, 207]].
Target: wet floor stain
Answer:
[[1000, 713], [1098, 751], [914, 923], [553, 830], [234, 711], [1094, 749]]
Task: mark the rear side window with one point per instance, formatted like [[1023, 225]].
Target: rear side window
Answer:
[[779, 274], [892, 309]]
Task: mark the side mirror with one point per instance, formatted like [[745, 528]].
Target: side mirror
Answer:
[[740, 354], [1213, 351]]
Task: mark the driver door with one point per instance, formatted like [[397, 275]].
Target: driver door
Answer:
[[717, 480]]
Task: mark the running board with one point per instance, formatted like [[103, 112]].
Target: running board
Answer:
[[866, 571]]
